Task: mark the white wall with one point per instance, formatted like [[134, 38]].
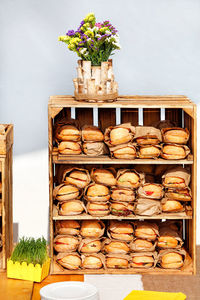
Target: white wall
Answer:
[[160, 55]]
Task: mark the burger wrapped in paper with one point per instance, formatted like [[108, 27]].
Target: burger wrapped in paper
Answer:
[[98, 209], [104, 176], [151, 191], [92, 229], [169, 238], [177, 177], [64, 192], [147, 207], [69, 227], [76, 176], [123, 151], [178, 194], [145, 260], [122, 194], [117, 261], [128, 178], [120, 230], [174, 151], [93, 261], [97, 193], [71, 208], [111, 246], [175, 135], [146, 230], [90, 246], [147, 135], [92, 133], [121, 208], [67, 132], [95, 148], [171, 258], [66, 243], [141, 245], [70, 261], [172, 206], [148, 151], [69, 148], [120, 134]]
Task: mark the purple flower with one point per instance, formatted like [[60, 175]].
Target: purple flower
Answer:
[[70, 32], [81, 24]]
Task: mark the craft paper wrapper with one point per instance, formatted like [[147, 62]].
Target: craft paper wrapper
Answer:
[[57, 188], [149, 224], [147, 207], [147, 132], [95, 148], [149, 155], [136, 248], [60, 151], [95, 198], [164, 124], [63, 254], [70, 236], [62, 230], [101, 213], [62, 123], [94, 178], [67, 171], [112, 226], [61, 213], [122, 197], [164, 130], [151, 254], [110, 231], [163, 252], [101, 233], [87, 241], [178, 172], [169, 194], [84, 128], [125, 125], [98, 255], [3, 129], [164, 200], [169, 232], [125, 204], [140, 175], [107, 241], [166, 156], [142, 194], [122, 146], [122, 256]]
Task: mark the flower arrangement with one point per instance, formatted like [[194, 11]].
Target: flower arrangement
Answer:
[[92, 41]]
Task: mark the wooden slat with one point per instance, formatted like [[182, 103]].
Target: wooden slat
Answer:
[[84, 116], [107, 117], [174, 115], [129, 115], [150, 116]]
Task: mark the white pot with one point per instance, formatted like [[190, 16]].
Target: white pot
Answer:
[[69, 290]]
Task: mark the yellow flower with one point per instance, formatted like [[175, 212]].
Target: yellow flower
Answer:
[[90, 18], [89, 33], [64, 38]]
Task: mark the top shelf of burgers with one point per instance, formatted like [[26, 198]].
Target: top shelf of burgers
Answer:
[[123, 142]]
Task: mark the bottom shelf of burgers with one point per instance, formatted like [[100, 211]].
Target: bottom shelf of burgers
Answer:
[[120, 247]]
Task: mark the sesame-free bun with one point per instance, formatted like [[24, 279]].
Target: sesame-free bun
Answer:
[[116, 247], [67, 192], [79, 178], [125, 152], [68, 133], [128, 179], [139, 244], [92, 134], [71, 207], [97, 192], [70, 227], [70, 261], [121, 230], [172, 260], [151, 190], [172, 206], [103, 176], [121, 208], [179, 194], [66, 243], [92, 262], [116, 263], [146, 231], [93, 246], [122, 194], [92, 229], [120, 135], [175, 135], [98, 209], [142, 261], [173, 152], [166, 242], [149, 151], [69, 148]]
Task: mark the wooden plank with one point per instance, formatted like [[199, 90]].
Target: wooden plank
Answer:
[[150, 116], [84, 116], [51, 279], [12, 289], [174, 115], [187, 269], [129, 115], [106, 117]]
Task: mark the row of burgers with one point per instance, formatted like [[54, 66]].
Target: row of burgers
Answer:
[[123, 141], [119, 245], [121, 193]]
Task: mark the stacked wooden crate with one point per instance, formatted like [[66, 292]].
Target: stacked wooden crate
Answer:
[[139, 110], [6, 215]]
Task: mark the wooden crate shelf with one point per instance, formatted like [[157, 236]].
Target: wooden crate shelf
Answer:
[[6, 214], [126, 109]]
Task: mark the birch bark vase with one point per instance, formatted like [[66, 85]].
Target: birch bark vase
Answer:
[[95, 83]]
